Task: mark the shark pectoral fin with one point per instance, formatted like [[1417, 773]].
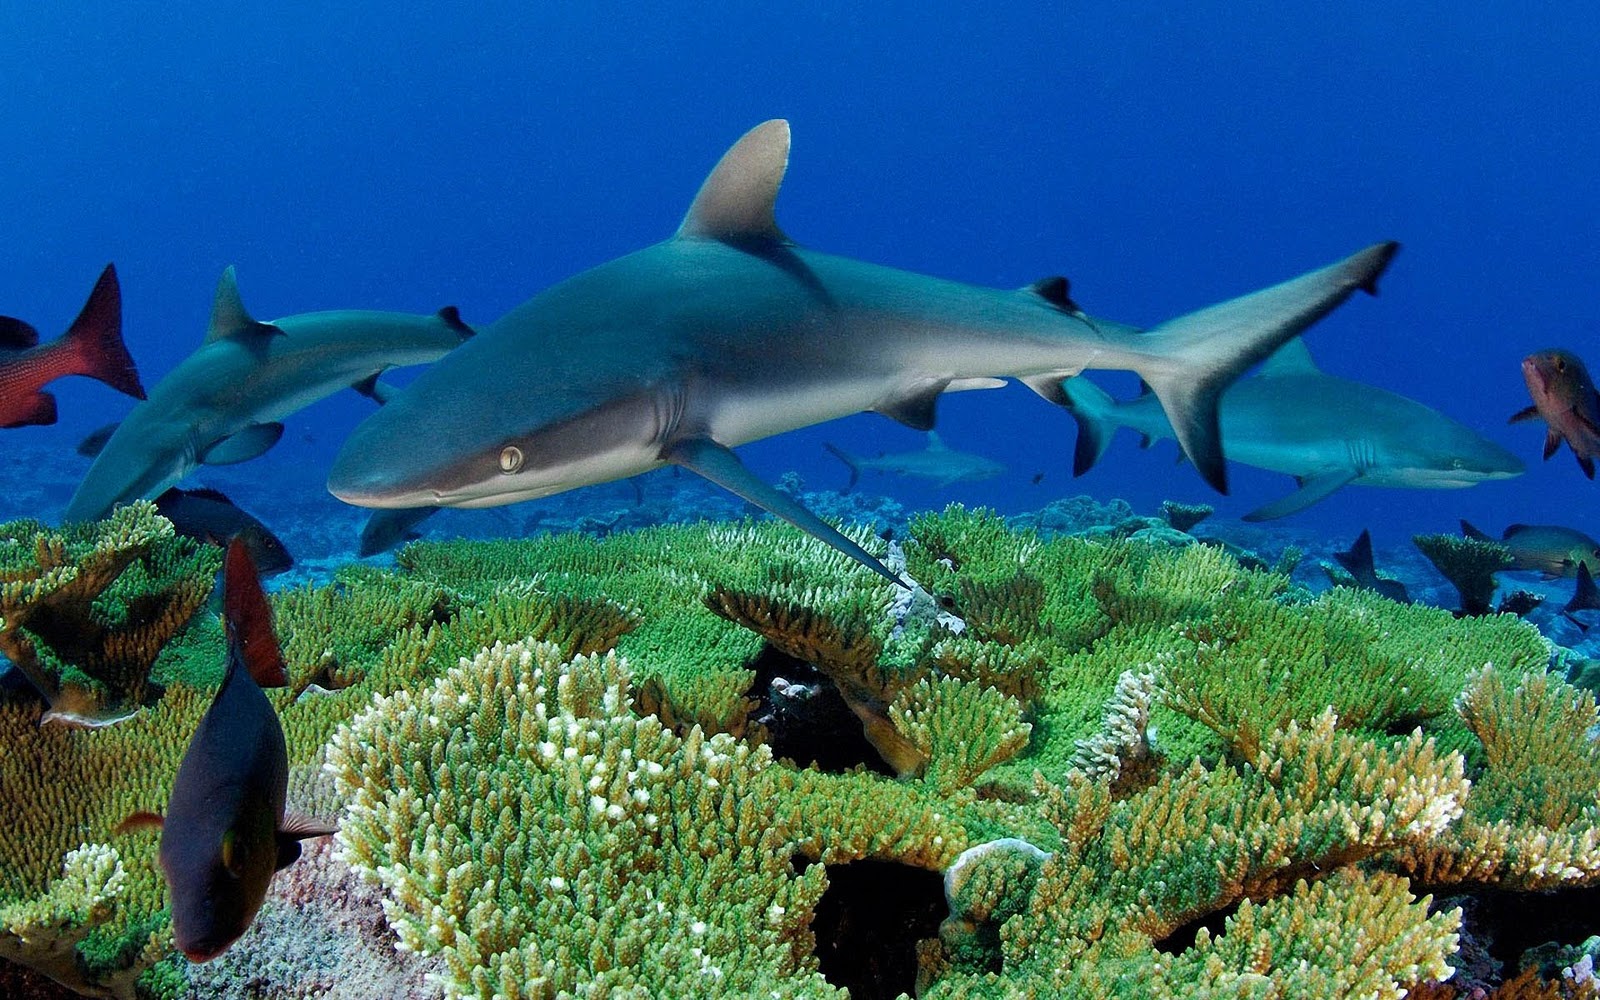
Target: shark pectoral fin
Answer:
[[1526, 413], [373, 389], [735, 203], [707, 458], [242, 446], [915, 408], [229, 317], [1312, 489]]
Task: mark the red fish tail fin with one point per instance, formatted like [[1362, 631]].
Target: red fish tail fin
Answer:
[[95, 338], [247, 618]]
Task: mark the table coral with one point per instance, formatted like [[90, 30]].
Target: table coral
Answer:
[[85, 609]]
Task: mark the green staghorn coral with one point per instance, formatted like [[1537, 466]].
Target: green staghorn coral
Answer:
[[85, 610], [1159, 733]]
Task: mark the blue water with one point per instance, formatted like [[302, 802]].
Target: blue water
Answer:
[[1163, 156]]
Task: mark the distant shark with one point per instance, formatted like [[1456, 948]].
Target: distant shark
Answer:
[[729, 332], [1325, 431], [223, 403], [938, 462]]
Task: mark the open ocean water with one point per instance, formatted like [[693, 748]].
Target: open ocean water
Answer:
[[1164, 157]]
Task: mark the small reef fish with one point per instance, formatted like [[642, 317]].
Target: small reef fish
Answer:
[[1358, 563], [208, 515], [938, 462], [225, 832], [1550, 549], [1564, 397], [730, 332], [389, 527], [1325, 431], [91, 346], [225, 402]]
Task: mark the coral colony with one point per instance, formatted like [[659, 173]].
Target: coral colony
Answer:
[[725, 760]]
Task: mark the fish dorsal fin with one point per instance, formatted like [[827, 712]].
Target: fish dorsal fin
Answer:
[[1057, 291], [16, 334], [735, 204], [247, 618], [207, 493], [1293, 358], [1512, 529], [229, 317]]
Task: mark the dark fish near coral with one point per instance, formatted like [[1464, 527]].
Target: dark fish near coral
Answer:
[[1550, 549], [209, 516], [1358, 563], [388, 527], [91, 346], [225, 831], [729, 332], [1564, 397], [1585, 597]]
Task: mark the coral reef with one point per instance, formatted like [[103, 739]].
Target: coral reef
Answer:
[[85, 610], [1140, 768]]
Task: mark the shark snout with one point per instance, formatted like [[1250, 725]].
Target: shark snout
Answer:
[[364, 483]]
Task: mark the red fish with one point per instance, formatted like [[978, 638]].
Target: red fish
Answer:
[[92, 346], [1564, 397], [225, 832]]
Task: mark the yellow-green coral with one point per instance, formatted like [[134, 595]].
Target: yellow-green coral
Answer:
[[85, 610]]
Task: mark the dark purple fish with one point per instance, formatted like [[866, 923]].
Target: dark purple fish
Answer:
[[225, 832], [1564, 398], [207, 515]]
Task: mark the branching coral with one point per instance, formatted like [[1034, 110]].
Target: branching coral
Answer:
[[521, 818], [85, 610]]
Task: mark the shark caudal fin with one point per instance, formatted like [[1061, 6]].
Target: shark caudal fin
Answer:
[[1095, 412], [95, 338], [1190, 360]]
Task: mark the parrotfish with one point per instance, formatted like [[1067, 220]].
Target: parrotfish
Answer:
[[225, 831], [729, 332], [1564, 397], [1550, 549], [91, 346]]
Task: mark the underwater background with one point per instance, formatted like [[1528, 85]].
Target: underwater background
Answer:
[[1163, 157]]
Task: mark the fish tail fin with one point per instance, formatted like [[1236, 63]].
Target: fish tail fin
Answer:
[[1357, 561], [1585, 597], [1095, 412], [1189, 361], [95, 338], [1469, 531], [247, 619], [849, 460]]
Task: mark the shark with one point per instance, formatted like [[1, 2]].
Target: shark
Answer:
[[938, 462], [1327, 432], [225, 403], [729, 332]]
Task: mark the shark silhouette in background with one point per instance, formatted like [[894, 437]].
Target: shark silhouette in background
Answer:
[[1325, 431], [729, 332]]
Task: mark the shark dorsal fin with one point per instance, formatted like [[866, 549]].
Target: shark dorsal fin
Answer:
[[735, 204], [228, 315], [1293, 358]]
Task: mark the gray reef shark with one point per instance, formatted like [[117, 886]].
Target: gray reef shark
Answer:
[[729, 332], [1325, 431], [938, 462], [224, 403]]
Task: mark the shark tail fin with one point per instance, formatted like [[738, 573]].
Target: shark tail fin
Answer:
[[850, 462], [95, 338], [1585, 597], [1095, 411], [1191, 360]]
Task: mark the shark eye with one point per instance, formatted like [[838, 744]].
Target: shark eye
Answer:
[[510, 459]]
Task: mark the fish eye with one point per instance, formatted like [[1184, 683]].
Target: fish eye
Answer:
[[510, 459]]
